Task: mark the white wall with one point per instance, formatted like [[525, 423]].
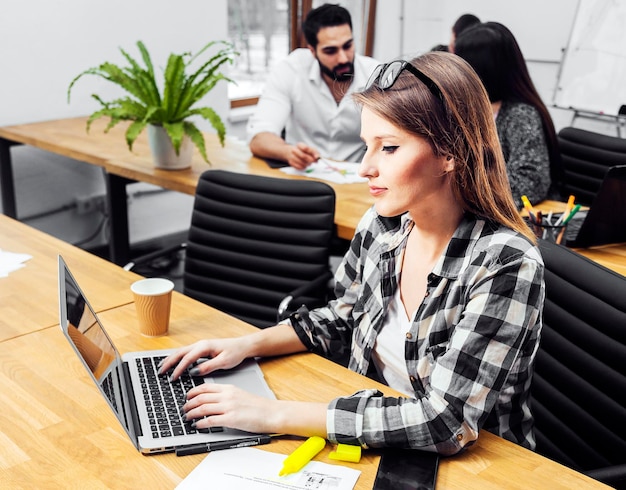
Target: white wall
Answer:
[[411, 27], [45, 44]]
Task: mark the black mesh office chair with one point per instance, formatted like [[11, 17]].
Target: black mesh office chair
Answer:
[[258, 247], [585, 158], [580, 374]]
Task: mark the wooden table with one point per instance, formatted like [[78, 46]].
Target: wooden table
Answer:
[[56, 429], [29, 296], [68, 137], [612, 256]]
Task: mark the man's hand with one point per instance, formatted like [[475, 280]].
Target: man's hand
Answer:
[[270, 145], [300, 156]]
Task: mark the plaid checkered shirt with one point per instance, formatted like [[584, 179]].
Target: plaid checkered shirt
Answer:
[[470, 349]]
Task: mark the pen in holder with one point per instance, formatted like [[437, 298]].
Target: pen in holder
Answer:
[[544, 229]]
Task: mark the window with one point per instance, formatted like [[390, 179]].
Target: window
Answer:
[[265, 31], [259, 31]]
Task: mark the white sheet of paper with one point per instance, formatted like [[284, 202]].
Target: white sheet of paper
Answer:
[[10, 262], [249, 468], [330, 170]]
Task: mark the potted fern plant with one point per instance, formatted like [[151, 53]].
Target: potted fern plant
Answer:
[[165, 109]]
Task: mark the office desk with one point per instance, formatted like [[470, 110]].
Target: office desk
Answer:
[[612, 256], [68, 137], [55, 428], [29, 296]]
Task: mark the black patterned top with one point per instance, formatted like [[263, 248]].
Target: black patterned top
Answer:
[[525, 151]]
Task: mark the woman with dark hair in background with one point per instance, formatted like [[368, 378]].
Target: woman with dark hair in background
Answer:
[[525, 128], [462, 24]]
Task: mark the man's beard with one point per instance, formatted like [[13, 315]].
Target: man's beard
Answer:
[[343, 76]]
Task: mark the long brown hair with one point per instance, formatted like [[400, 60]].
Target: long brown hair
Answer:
[[460, 125]]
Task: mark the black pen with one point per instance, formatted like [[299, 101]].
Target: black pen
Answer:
[[216, 446]]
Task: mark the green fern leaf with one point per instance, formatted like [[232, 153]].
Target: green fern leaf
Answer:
[[197, 138]]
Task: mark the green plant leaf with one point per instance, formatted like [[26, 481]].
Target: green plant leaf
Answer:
[[197, 138], [174, 86], [97, 115], [133, 131], [183, 88], [176, 133], [210, 115], [150, 79]]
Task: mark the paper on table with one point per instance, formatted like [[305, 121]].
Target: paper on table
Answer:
[[249, 468], [331, 170], [10, 262]]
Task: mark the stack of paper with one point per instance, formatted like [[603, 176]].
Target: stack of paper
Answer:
[[10, 262]]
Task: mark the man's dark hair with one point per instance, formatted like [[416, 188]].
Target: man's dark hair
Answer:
[[327, 15], [463, 22]]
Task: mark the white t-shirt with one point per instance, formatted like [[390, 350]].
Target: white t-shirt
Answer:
[[388, 353], [297, 99]]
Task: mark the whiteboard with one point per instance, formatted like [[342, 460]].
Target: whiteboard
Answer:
[[593, 70]]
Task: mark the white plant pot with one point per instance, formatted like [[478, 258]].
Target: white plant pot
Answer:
[[163, 151]]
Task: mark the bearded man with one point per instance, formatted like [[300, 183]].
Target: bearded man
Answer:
[[305, 111]]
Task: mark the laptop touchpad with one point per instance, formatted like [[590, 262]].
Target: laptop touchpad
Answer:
[[248, 377]]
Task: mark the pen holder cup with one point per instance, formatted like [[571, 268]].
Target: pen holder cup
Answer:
[[550, 233]]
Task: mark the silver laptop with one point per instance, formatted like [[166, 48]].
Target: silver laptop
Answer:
[[146, 405]]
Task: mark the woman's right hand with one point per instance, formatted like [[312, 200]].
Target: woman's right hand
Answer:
[[219, 354]]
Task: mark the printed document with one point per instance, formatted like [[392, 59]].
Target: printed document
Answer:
[[330, 170], [249, 468]]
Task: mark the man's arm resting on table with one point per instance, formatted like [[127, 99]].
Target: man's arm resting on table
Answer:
[[270, 145]]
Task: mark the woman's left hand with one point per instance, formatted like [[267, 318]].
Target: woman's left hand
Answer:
[[220, 405]]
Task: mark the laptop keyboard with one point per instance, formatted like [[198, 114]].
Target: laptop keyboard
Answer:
[[164, 399], [107, 387]]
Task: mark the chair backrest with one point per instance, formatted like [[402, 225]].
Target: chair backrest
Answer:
[[585, 158], [580, 373], [254, 239]]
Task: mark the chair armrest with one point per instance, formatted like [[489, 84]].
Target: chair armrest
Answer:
[[144, 259], [314, 285]]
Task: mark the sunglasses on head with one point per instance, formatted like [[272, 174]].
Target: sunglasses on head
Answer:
[[385, 75]]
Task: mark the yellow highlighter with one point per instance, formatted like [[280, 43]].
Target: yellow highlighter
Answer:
[[529, 209], [302, 455], [346, 452], [527, 204]]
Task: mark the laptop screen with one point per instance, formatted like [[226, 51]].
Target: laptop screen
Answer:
[[92, 344], [86, 334], [606, 220]]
